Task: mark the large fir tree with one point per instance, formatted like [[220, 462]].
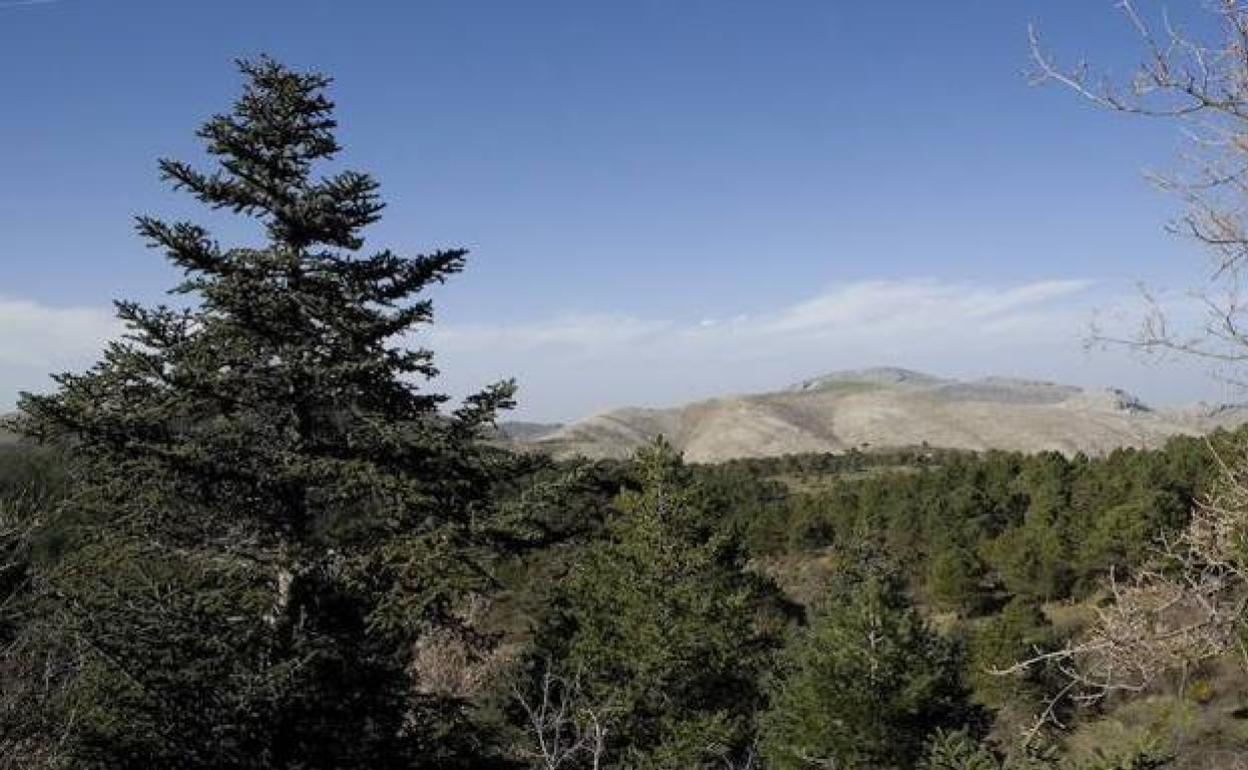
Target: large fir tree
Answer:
[[272, 508]]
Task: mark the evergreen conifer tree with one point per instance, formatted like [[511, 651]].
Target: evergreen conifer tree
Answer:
[[864, 686], [665, 631], [273, 508]]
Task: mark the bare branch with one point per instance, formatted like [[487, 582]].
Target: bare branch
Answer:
[[568, 729], [1184, 610], [1203, 86]]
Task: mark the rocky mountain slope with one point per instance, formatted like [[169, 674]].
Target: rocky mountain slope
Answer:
[[889, 407]]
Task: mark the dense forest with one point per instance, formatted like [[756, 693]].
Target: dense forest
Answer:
[[699, 614], [249, 537]]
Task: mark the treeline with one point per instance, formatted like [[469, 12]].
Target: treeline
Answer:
[[974, 529], [969, 530]]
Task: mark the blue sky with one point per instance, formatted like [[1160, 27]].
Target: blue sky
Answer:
[[653, 191]]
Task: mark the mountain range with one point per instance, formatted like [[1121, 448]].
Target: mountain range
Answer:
[[879, 408], [887, 407]]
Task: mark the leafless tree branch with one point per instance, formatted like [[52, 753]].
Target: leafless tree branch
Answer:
[[1204, 87], [567, 728], [1186, 609]]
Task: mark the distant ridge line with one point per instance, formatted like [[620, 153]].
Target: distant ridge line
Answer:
[[893, 407]]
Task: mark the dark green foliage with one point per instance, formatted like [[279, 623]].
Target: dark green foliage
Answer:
[[1020, 631], [972, 530], [958, 750], [31, 483], [952, 520], [558, 519], [865, 685], [267, 508], [162, 669], [665, 630], [1031, 559], [956, 576], [34, 474]]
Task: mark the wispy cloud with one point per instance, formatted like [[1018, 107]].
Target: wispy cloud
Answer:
[[569, 365], [36, 339], [843, 313], [585, 332], [25, 3]]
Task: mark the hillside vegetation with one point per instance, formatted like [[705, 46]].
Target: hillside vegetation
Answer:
[[986, 556]]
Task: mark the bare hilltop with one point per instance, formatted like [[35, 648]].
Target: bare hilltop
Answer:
[[889, 407]]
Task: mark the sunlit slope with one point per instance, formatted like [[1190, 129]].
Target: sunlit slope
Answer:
[[881, 408]]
